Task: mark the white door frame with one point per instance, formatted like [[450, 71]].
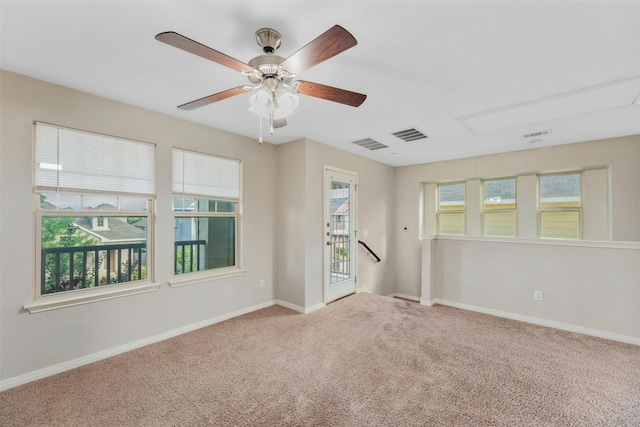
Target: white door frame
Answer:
[[336, 290]]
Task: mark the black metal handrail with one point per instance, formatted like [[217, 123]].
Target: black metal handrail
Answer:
[[370, 250]]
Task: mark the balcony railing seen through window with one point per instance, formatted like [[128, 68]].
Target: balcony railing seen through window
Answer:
[[79, 267], [190, 256]]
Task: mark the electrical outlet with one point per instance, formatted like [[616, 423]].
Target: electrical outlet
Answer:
[[537, 295], [365, 233], [262, 283]]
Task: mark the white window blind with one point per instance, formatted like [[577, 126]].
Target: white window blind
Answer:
[[73, 160], [197, 174]]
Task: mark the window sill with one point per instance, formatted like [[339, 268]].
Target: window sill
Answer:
[[54, 302], [540, 241], [205, 276]]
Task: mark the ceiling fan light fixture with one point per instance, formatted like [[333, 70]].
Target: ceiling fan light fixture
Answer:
[[261, 103], [270, 75], [286, 103], [279, 104]]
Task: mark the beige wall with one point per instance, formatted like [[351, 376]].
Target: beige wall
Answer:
[[593, 287], [281, 228], [375, 213], [34, 341], [619, 158], [590, 286], [291, 223], [282, 233]]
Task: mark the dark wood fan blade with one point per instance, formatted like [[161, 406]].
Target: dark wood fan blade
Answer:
[[329, 93], [214, 98], [181, 42], [330, 43], [278, 123]]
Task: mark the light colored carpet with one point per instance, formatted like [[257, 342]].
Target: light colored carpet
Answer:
[[365, 360]]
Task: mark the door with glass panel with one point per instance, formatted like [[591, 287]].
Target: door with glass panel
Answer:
[[339, 233]]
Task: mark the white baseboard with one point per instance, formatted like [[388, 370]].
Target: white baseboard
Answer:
[[290, 306], [303, 310], [404, 296], [85, 360], [314, 307], [537, 321]]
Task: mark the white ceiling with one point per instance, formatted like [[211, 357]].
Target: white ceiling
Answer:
[[475, 76]]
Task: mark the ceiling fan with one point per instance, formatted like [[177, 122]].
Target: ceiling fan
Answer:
[[271, 76]]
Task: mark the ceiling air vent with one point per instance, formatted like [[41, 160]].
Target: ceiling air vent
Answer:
[[410, 135], [369, 144]]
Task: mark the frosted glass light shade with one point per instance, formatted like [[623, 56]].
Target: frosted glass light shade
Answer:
[[282, 105]]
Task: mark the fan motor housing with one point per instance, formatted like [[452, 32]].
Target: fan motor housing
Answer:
[[268, 67], [267, 64]]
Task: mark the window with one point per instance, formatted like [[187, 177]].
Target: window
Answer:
[[559, 204], [94, 196], [499, 207], [451, 208], [206, 197]]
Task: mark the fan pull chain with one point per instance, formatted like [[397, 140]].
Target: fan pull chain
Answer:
[[260, 139], [271, 123]]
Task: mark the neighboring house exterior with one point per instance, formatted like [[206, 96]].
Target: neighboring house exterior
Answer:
[[112, 230]]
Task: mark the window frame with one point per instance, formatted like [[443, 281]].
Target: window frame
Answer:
[[72, 213], [441, 212], [49, 301], [514, 210], [577, 209], [193, 277], [195, 215]]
